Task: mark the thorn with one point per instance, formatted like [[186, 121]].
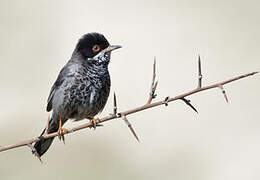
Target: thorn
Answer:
[[224, 92], [115, 104], [153, 84], [154, 67], [118, 115], [154, 96], [199, 73], [187, 101], [130, 127], [154, 88], [165, 102]]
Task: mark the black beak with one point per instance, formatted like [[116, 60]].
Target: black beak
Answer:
[[111, 48]]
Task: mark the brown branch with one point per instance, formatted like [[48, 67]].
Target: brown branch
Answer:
[[127, 112]]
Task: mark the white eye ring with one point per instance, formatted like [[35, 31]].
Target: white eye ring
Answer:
[[96, 48]]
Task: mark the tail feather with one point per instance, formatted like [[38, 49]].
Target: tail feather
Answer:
[[44, 144]]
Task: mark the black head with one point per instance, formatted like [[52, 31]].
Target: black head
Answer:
[[91, 44]]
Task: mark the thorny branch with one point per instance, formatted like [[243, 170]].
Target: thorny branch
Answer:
[[124, 118], [148, 105]]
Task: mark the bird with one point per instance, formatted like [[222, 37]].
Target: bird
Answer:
[[81, 89]]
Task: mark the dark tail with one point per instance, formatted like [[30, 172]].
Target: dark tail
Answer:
[[44, 144]]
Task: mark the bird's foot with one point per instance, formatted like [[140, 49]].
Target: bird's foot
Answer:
[[61, 132], [95, 122]]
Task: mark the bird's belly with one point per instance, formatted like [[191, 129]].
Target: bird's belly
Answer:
[[83, 112], [89, 105], [81, 98]]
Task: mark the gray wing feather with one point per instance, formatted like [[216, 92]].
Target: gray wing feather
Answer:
[[64, 73]]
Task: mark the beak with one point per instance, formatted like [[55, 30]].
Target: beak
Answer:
[[111, 48]]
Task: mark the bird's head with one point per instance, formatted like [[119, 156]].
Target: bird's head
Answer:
[[94, 46]]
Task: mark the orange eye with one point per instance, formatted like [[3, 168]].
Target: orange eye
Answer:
[[96, 48]]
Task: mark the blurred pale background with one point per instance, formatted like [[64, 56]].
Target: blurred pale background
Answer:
[[221, 142]]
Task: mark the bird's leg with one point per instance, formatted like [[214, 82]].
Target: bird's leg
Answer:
[[94, 122], [61, 132]]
